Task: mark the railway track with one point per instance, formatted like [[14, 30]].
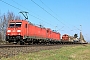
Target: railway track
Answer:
[[34, 45], [11, 50], [10, 46]]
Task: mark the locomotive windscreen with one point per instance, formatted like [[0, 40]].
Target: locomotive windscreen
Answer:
[[18, 24], [13, 24]]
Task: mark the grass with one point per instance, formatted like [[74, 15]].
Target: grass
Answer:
[[64, 53]]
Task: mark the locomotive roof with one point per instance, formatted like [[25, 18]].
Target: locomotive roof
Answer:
[[16, 20], [32, 24]]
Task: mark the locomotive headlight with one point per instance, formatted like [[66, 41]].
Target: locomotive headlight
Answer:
[[8, 34], [18, 30], [19, 34], [8, 30]]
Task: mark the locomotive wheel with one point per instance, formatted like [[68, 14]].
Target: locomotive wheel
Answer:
[[21, 42], [30, 43]]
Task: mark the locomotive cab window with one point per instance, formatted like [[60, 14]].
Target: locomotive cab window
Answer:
[[12, 24], [18, 24]]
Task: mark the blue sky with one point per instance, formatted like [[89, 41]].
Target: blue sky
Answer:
[[65, 16]]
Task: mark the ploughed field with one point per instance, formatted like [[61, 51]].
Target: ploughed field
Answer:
[[12, 50]]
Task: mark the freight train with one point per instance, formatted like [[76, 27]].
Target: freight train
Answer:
[[24, 32]]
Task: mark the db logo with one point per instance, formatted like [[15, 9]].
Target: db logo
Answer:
[[14, 30]]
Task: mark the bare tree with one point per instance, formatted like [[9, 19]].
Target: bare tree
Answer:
[[17, 18], [4, 19]]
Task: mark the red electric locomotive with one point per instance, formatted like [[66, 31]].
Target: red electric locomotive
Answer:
[[21, 31]]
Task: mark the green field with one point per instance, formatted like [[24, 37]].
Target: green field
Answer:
[[81, 52]]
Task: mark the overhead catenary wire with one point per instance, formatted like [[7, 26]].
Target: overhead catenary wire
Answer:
[[24, 7], [55, 13], [32, 12], [49, 13], [52, 15], [48, 7], [22, 10], [10, 4], [45, 10]]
